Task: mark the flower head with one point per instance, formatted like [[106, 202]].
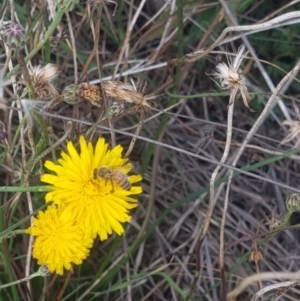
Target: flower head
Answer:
[[230, 75], [42, 78], [93, 186], [14, 36], [60, 241]]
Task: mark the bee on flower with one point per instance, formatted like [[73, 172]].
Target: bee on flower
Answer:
[[230, 75], [95, 198]]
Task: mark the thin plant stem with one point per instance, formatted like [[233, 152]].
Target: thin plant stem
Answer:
[[73, 48], [96, 43], [195, 56], [150, 206], [127, 36], [287, 285], [137, 132], [53, 146], [268, 107], [212, 200], [30, 243], [12, 234], [36, 274], [257, 277], [89, 133]]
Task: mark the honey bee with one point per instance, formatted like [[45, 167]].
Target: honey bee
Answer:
[[115, 175]]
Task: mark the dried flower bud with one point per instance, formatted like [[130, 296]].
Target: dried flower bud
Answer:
[[74, 94], [293, 202], [14, 36], [117, 108], [273, 222], [66, 5], [44, 271]]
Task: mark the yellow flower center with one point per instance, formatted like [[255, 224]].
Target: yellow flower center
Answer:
[[96, 187]]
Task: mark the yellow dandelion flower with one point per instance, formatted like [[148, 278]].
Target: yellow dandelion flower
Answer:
[[99, 200], [60, 241]]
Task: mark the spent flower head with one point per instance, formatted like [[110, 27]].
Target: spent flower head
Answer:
[[74, 94], [94, 187], [230, 75], [59, 240], [41, 79], [132, 93]]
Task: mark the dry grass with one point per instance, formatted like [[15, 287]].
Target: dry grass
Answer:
[[186, 120]]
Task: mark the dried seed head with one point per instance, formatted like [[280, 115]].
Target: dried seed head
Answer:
[[42, 78], [293, 202], [255, 255], [273, 221], [74, 94], [132, 94], [230, 75], [14, 36]]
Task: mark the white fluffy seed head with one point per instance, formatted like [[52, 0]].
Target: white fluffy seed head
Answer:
[[230, 75]]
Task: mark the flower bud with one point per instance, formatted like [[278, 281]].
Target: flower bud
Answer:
[[44, 271], [117, 108], [14, 36], [293, 202], [70, 95]]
